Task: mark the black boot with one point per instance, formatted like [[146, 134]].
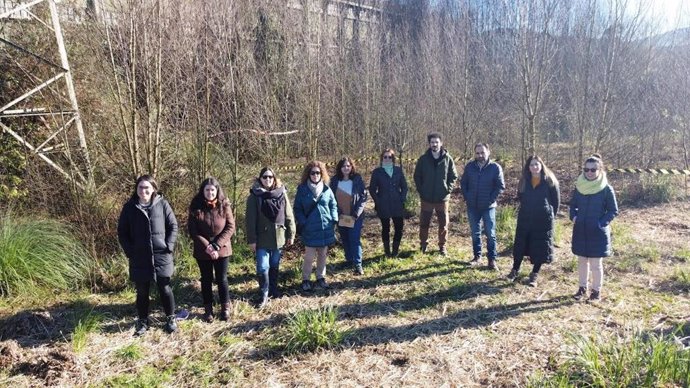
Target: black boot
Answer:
[[396, 247], [387, 247], [208, 313], [262, 278], [273, 291]]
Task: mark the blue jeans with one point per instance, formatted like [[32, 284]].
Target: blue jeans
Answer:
[[352, 243], [488, 216], [267, 258]]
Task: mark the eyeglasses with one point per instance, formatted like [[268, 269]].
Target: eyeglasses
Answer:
[[315, 173], [387, 157], [589, 169], [267, 177]]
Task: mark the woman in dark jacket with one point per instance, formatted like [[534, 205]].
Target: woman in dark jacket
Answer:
[[316, 212], [211, 226], [270, 225], [539, 197], [351, 195], [147, 231], [388, 189], [592, 208]]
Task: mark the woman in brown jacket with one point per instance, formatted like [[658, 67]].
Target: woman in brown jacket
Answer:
[[211, 225]]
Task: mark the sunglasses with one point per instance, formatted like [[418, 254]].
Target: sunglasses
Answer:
[[267, 177], [589, 169], [387, 157], [315, 173]]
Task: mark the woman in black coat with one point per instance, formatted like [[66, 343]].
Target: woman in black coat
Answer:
[[539, 197], [388, 188], [147, 231]]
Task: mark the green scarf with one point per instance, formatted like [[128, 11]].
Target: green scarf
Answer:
[[586, 187], [388, 168]]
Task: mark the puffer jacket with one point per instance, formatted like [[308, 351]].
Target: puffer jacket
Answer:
[[360, 194], [435, 178], [594, 212], [318, 227], [206, 225], [388, 192], [535, 222], [481, 186], [264, 233], [148, 238]]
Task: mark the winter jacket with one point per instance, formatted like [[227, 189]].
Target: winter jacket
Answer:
[[535, 223], [206, 226], [435, 178], [318, 227], [264, 233], [148, 238], [481, 186], [594, 212], [389, 192], [360, 194]]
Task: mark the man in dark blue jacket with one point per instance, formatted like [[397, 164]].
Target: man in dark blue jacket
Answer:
[[482, 183], [434, 177]]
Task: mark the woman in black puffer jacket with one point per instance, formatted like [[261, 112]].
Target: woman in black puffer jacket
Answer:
[[147, 231], [540, 198]]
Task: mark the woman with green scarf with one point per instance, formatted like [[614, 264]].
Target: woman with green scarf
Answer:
[[388, 188], [592, 208]]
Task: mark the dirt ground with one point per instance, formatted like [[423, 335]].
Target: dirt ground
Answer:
[[424, 320]]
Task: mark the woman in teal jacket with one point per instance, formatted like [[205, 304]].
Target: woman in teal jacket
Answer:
[[316, 213]]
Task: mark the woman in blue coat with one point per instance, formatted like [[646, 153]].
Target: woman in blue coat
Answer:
[[350, 195], [539, 200], [316, 214], [147, 231], [592, 208], [388, 189]]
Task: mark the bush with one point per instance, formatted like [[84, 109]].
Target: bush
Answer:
[[642, 361], [40, 255], [651, 190], [309, 330]]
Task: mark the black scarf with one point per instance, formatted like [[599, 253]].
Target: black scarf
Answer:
[[272, 203]]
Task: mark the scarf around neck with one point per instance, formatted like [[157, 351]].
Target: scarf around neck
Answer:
[[388, 168], [587, 187], [316, 188], [272, 203]]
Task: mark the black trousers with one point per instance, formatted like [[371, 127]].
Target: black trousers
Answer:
[[398, 223], [164, 291], [207, 269], [517, 261]]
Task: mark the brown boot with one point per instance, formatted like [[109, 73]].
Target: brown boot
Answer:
[[225, 311]]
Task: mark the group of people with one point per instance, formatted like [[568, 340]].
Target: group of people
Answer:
[[147, 228]]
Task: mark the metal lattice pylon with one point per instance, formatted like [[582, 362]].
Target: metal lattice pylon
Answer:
[[75, 168]]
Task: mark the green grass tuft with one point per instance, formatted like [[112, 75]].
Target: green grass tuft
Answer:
[[131, 352], [641, 361], [309, 330], [506, 223], [87, 322], [40, 255]]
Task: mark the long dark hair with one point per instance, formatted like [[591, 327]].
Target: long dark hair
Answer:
[[546, 174], [339, 166], [149, 179], [276, 181], [199, 201]]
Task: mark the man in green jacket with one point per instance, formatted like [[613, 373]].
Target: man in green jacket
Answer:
[[434, 176]]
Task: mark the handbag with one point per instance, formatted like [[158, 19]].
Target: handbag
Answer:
[[346, 221]]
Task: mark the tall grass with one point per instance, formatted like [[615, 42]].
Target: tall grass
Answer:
[[308, 330], [642, 361], [506, 223], [39, 255]]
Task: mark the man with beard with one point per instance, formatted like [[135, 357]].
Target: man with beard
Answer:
[[482, 183], [434, 177]]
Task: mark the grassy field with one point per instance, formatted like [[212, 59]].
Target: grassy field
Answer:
[[422, 320]]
